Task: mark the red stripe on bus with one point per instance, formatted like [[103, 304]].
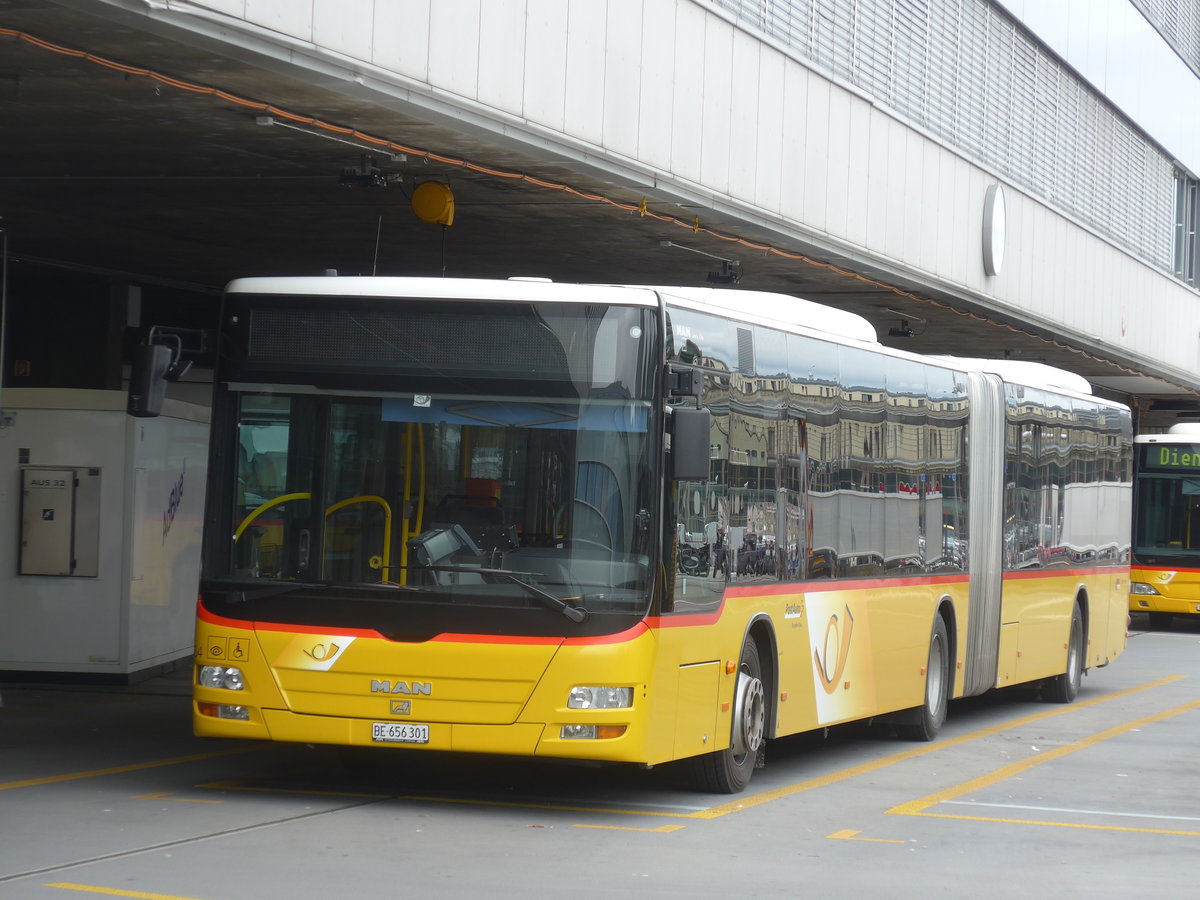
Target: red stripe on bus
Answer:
[[1026, 574], [213, 619]]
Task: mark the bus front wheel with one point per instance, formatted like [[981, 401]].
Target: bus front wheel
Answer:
[[728, 771]]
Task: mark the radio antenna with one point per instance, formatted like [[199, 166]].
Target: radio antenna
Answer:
[[378, 230]]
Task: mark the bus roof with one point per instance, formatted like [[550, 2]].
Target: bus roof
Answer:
[[753, 306], [1022, 371], [1179, 433], [776, 309], [442, 288]]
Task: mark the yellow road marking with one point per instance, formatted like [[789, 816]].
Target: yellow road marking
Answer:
[[933, 747], [849, 835], [165, 795], [661, 829], [114, 892], [120, 770], [919, 807]]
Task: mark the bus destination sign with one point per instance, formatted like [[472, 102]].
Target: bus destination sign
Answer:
[[1171, 458]]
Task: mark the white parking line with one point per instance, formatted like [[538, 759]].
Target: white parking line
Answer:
[[1077, 812]]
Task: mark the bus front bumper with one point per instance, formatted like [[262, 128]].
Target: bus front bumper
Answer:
[[517, 739]]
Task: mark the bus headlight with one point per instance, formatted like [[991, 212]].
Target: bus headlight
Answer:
[[228, 677], [1140, 587], [600, 698]]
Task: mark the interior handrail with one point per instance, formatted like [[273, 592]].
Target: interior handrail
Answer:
[[263, 507]]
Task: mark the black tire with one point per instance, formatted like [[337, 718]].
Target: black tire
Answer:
[[1160, 620], [1065, 687], [728, 771], [924, 722]]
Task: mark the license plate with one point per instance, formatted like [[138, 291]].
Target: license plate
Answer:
[[399, 733]]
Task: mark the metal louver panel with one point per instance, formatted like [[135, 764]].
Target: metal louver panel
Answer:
[[966, 71]]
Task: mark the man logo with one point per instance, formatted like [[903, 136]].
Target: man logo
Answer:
[[837, 650], [380, 686]]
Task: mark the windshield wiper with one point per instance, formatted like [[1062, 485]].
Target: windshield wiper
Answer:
[[574, 613]]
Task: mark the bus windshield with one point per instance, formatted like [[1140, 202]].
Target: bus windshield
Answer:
[[1167, 522], [453, 490]]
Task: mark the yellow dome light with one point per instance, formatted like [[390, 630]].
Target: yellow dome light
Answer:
[[433, 201]]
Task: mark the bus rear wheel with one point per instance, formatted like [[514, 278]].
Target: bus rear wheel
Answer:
[[925, 721], [728, 771], [1065, 687]]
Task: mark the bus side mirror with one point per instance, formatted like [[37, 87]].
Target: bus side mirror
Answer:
[[148, 380], [155, 363], [690, 437]]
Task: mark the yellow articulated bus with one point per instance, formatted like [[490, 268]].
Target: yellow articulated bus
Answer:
[[634, 524], [1166, 524]]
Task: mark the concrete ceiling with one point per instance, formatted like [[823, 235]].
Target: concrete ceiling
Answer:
[[106, 169]]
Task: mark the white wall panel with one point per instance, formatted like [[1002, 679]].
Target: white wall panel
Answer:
[[944, 203], [927, 200], [858, 164], [622, 78], [454, 46], [718, 96], [502, 54], [897, 216], [1032, 225], [837, 163], [816, 154], [964, 236], [291, 17], [744, 121], [1090, 308], [345, 26], [587, 26], [1078, 283], [769, 150], [545, 61], [795, 142], [915, 237], [874, 183], [656, 89], [1055, 284], [687, 112], [400, 42]]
